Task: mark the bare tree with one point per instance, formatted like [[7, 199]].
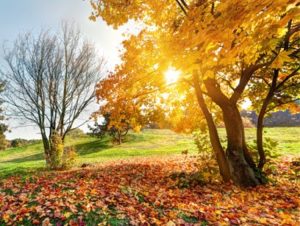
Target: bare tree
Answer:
[[51, 80]]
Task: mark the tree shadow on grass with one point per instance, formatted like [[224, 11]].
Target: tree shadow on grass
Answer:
[[92, 147], [133, 138], [81, 149], [35, 157]]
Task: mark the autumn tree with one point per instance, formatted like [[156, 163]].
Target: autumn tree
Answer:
[[218, 46], [279, 84], [51, 80], [118, 111], [3, 126], [121, 107]]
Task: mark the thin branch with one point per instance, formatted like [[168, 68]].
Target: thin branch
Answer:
[[181, 7]]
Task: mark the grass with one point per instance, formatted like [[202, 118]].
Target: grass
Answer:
[[148, 143]]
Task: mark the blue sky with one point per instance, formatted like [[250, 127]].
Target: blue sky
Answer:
[[19, 16]]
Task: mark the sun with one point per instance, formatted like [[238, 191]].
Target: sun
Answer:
[[246, 104], [172, 75]]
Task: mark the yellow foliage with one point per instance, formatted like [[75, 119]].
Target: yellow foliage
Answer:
[[216, 38], [282, 57]]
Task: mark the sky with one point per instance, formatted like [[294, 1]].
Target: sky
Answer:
[[20, 16]]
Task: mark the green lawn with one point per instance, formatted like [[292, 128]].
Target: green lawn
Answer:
[[150, 142]]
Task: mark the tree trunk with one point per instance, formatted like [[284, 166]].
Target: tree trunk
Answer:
[[259, 135], [260, 121], [119, 137], [247, 154], [242, 167], [63, 138], [213, 133], [47, 152], [243, 174]]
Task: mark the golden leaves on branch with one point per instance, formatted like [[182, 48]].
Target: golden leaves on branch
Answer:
[[281, 59]]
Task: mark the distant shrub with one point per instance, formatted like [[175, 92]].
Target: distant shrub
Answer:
[[19, 142], [98, 129], [3, 142], [76, 133], [247, 122], [117, 131], [69, 158]]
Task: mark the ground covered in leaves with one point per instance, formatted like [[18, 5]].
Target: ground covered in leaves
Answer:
[[148, 191]]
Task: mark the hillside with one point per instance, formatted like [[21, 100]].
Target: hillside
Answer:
[[147, 143], [275, 119], [93, 150]]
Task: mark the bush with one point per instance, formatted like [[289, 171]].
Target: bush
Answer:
[[3, 142], [19, 142], [69, 158], [270, 147], [206, 163], [60, 158], [76, 133], [117, 131]]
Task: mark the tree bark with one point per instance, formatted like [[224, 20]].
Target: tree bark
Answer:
[[213, 133], [260, 120], [247, 154], [240, 162], [259, 134], [46, 145], [118, 137]]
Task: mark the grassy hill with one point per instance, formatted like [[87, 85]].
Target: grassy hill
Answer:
[[148, 143], [93, 150]]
